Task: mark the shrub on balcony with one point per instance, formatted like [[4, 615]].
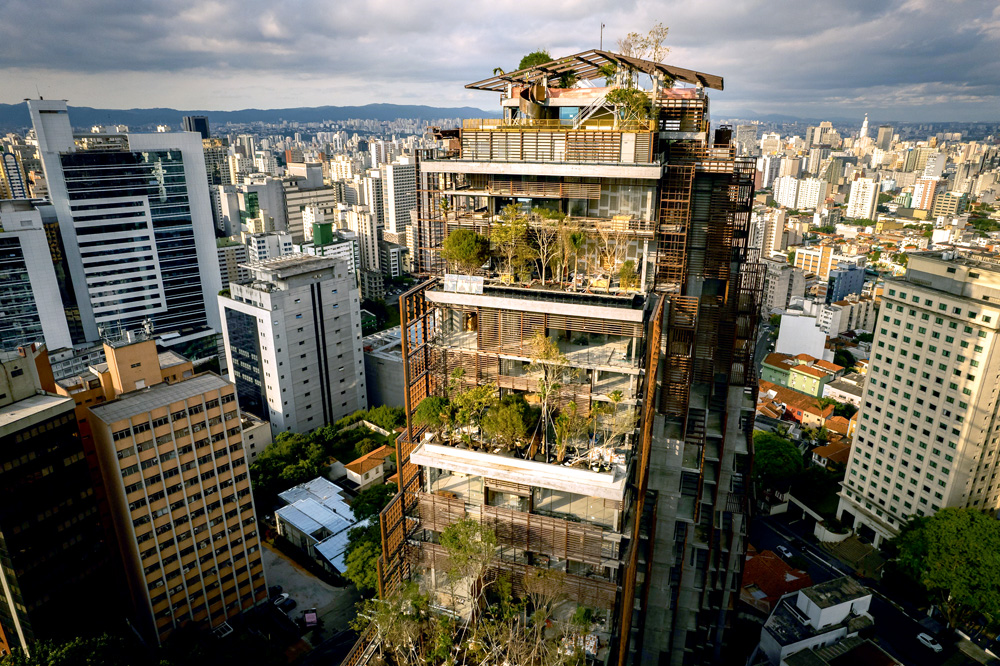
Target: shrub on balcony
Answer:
[[465, 250]]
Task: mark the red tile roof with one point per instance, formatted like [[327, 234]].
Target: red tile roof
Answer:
[[777, 360], [772, 576], [811, 371], [805, 357], [826, 365], [837, 452], [837, 424], [370, 460]]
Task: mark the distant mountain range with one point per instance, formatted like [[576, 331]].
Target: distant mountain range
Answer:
[[15, 116]]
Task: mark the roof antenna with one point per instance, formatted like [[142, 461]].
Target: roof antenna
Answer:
[[39, 92]]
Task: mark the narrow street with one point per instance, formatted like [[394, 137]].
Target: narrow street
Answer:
[[895, 630]]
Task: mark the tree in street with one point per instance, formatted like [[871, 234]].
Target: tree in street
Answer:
[[955, 556], [776, 460]]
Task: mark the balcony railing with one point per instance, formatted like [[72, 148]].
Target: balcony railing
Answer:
[[522, 124]]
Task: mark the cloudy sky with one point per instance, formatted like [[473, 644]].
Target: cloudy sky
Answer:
[[934, 60]]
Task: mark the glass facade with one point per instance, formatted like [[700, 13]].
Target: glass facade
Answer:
[[243, 338], [158, 176], [19, 320]]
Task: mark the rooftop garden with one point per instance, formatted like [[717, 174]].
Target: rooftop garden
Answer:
[[536, 424], [545, 248]]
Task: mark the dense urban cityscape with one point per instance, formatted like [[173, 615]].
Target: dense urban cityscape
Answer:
[[588, 376]]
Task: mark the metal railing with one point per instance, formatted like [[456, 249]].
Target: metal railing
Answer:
[[538, 124]]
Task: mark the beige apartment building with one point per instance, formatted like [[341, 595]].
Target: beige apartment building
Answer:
[[171, 455], [928, 429], [822, 259]]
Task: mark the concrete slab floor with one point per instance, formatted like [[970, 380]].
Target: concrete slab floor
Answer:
[[334, 605]]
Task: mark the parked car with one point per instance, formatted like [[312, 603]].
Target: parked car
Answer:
[[929, 641], [281, 598], [287, 605], [783, 551]]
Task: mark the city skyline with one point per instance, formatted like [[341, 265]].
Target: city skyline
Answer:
[[910, 60]]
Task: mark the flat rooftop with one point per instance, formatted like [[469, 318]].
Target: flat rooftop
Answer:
[[27, 412], [156, 396], [835, 592], [294, 264]]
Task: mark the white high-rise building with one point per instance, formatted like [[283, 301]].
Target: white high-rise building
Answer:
[[268, 245], [812, 193], [863, 199], [293, 342], [373, 195], [362, 222], [768, 166], [400, 193], [786, 191], [136, 223], [927, 436], [31, 309]]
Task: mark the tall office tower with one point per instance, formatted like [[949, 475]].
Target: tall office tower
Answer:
[[380, 153], [768, 165], [746, 139], [175, 470], [12, 180], [812, 193], [293, 342], [217, 161], [863, 199], [646, 525], [55, 582], [232, 257], [774, 238], [374, 195], [884, 139], [362, 222], [927, 435], [304, 187], [790, 166], [197, 124], [136, 224], [30, 303], [816, 156], [923, 193]]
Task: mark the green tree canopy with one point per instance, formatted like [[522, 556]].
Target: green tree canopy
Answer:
[[362, 566], [509, 422], [844, 358], [539, 57], [955, 556], [776, 460], [372, 500], [433, 413], [466, 250]]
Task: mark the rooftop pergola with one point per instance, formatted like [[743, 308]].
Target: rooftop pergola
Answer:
[[587, 65]]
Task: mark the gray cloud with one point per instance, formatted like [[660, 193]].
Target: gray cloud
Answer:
[[904, 59]]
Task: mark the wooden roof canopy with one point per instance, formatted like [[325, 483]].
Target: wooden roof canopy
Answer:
[[587, 65]]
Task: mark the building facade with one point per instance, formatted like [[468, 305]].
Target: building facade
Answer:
[[293, 342], [671, 356], [926, 437], [55, 560], [133, 209], [175, 471]]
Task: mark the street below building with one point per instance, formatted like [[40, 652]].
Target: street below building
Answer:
[[896, 629]]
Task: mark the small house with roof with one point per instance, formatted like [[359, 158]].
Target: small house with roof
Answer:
[[816, 617], [317, 518], [371, 468]]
